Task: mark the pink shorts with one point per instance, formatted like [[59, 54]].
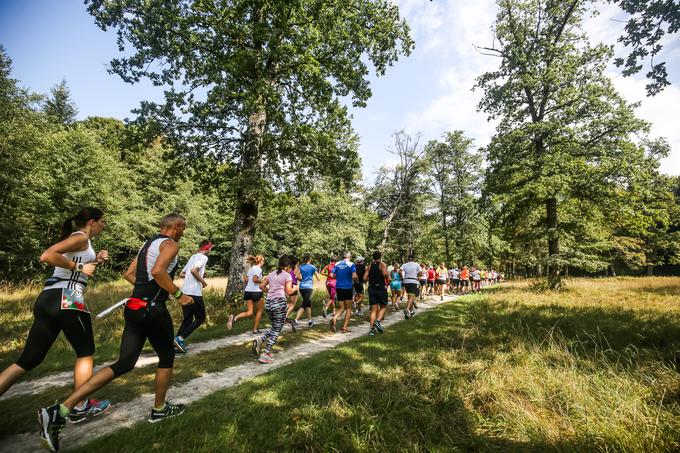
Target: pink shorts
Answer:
[[330, 287]]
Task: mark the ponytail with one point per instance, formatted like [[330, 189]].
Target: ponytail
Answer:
[[284, 262], [79, 220]]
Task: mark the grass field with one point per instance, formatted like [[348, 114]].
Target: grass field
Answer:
[[592, 368]]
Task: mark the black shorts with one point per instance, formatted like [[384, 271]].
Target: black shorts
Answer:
[[255, 296], [306, 297], [456, 281], [377, 295], [344, 294], [441, 282], [465, 282], [359, 288], [430, 283], [412, 288], [423, 282]]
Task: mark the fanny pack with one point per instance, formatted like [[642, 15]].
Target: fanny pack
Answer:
[[134, 303]]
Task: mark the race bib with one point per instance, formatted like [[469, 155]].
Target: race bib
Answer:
[[72, 299]]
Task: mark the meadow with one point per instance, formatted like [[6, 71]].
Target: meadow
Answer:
[[590, 368]]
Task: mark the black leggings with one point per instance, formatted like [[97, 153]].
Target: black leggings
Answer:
[[194, 316], [154, 324], [48, 320], [306, 297]]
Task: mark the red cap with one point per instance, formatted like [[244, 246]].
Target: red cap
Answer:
[[206, 248]]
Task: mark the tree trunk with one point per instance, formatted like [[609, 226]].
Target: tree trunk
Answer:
[[447, 248], [247, 204], [612, 271], [650, 268], [386, 230], [554, 277]]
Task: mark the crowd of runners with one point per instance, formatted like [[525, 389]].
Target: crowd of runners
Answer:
[[61, 307]]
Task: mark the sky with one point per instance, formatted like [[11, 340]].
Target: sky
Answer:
[[429, 92]]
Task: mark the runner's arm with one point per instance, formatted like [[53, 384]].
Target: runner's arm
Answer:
[[366, 274], [264, 285], [290, 289], [198, 277], [131, 272], [355, 277], [53, 255], [167, 252]]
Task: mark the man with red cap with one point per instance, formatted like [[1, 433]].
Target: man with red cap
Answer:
[[194, 314]]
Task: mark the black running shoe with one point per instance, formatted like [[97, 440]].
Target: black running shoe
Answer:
[[378, 325], [257, 342], [51, 424], [170, 410], [405, 314]]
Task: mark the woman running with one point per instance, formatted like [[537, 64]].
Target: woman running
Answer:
[[307, 273], [464, 279], [252, 294], [422, 280], [395, 285], [292, 299], [442, 276], [330, 286], [431, 277], [60, 307], [278, 284]]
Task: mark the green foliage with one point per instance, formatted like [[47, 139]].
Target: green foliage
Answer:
[[59, 107], [650, 21]]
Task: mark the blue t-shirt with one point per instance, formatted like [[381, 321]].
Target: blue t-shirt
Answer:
[[343, 274], [307, 272]]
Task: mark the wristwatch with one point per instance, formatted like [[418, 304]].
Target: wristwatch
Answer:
[[79, 267], [177, 294]]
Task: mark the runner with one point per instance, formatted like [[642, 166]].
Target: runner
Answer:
[[377, 277], [395, 285], [307, 273], [456, 279], [431, 277], [194, 314], [359, 285], [292, 299], [278, 284], [442, 275], [252, 294], [464, 279], [146, 316], [345, 273], [476, 279], [330, 286], [423, 280], [60, 307], [410, 272]]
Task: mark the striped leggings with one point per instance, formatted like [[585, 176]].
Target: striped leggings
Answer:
[[276, 309]]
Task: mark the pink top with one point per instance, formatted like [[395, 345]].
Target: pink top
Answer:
[[277, 284]]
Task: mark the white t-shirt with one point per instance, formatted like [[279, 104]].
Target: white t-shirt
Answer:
[[251, 286], [476, 275], [191, 286], [456, 274], [411, 270]]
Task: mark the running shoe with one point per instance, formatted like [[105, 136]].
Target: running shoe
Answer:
[[256, 332], [412, 314], [92, 409], [51, 424], [266, 357], [310, 323], [405, 314], [180, 345], [293, 325], [230, 322], [170, 410], [371, 332], [378, 325], [360, 312], [257, 344]]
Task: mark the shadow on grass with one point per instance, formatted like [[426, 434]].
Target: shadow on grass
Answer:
[[384, 393]]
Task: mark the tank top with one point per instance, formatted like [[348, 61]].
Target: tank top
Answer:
[[66, 278], [396, 277], [146, 287], [292, 275], [375, 276]]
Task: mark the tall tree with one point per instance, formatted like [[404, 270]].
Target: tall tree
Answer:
[[59, 106], [256, 84], [455, 174], [398, 192], [564, 132]]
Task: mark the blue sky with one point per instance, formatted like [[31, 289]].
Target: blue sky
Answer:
[[428, 92]]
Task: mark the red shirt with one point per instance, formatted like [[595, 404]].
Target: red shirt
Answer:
[[431, 274], [329, 269]]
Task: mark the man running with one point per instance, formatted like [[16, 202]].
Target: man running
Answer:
[[345, 273], [359, 285], [146, 317], [377, 277], [410, 271], [194, 314]]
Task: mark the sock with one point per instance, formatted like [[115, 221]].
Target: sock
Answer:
[[63, 410], [158, 409], [80, 407]]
